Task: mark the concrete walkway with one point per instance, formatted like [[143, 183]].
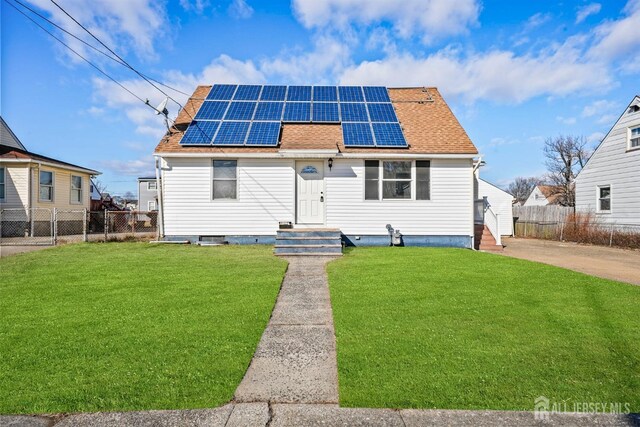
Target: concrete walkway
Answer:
[[296, 358], [609, 263], [293, 380]]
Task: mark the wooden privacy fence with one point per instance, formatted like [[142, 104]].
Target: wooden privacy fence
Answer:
[[561, 223]]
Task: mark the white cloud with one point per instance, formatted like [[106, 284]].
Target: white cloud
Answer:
[[501, 76], [197, 6], [537, 20], [598, 107], [138, 167], [587, 10], [121, 24], [567, 120], [595, 137], [427, 19], [619, 39], [240, 9]]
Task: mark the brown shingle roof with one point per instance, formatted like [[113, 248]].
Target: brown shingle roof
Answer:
[[428, 124]]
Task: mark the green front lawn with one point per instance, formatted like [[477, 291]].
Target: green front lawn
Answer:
[[123, 326], [450, 328]]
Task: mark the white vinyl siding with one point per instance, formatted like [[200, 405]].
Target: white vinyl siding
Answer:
[[448, 212], [266, 195], [501, 203], [613, 164]]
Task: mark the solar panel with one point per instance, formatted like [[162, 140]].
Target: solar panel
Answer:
[[325, 112], [325, 93], [273, 93], [350, 94], [212, 110], [376, 94], [297, 112], [353, 112], [357, 135], [269, 111], [299, 93], [232, 133], [264, 133], [240, 110], [382, 113], [223, 92], [247, 92], [199, 133], [389, 134]]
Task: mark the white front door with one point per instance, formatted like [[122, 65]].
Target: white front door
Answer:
[[310, 192]]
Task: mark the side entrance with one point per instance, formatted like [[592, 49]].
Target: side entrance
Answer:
[[310, 192]]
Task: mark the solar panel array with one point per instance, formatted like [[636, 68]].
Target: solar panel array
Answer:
[[253, 114]]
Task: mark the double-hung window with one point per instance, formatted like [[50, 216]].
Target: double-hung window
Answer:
[[46, 186], [604, 198], [151, 205], [152, 185], [225, 179], [2, 183], [76, 189], [397, 180], [634, 137]]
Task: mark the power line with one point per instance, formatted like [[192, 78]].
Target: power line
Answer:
[[80, 56], [193, 121], [90, 45]]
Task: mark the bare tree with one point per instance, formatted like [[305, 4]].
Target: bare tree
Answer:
[[522, 187], [100, 186], [565, 157]]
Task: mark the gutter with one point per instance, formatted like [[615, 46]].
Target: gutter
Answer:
[[314, 154]]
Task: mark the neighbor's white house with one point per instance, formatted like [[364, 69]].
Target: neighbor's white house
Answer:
[[353, 159], [500, 203], [609, 184], [542, 195]]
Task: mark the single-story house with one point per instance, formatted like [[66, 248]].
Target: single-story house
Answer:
[[609, 184], [543, 195], [29, 180], [243, 161]]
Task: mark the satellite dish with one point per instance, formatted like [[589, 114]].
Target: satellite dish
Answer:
[[162, 108]]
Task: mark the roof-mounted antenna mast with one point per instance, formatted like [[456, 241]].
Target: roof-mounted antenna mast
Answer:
[[162, 109]]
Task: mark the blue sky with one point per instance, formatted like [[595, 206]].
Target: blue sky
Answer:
[[514, 73]]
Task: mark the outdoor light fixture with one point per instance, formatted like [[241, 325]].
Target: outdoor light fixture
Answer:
[[330, 163]]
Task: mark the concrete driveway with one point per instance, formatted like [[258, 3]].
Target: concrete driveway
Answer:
[[609, 263]]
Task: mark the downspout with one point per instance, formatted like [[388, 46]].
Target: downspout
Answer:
[[160, 200], [475, 179]]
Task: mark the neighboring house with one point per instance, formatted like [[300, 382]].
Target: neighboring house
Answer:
[[317, 164], [29, 180], [147, 194], [95, 197], [543, 195], [500, 202], [609, 184]]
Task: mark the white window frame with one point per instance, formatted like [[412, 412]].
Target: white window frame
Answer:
[[211, 181], [71, 190], [3, 183], [53, 186], [598, 198], [155, 206], [630, 129], [381, 179], [155, 185]]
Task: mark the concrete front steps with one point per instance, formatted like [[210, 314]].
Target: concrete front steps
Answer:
[[484, 240], [308, 242]]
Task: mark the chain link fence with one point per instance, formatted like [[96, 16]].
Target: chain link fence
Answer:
[[39, 226]]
